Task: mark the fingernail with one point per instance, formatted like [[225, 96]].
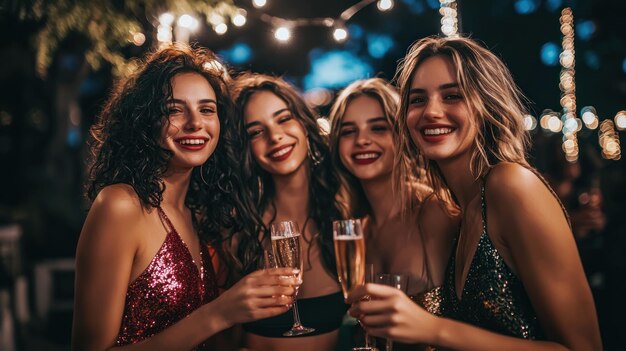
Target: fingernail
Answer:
[[296, 271]]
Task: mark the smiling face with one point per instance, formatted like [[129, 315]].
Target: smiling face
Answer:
[[438, 118], [278, 140], [366, 145], [194, 127]]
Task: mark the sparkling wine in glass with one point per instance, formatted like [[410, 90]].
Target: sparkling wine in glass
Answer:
[[286, 248], [349, 253], [398, 281]]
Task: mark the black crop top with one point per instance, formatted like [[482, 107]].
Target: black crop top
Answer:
[[324, 313]]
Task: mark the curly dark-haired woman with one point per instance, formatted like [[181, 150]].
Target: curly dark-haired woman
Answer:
[[287, 175], [159, 186]]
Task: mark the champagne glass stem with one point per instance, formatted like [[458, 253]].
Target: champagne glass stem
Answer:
[[296, 314], [388, 345]]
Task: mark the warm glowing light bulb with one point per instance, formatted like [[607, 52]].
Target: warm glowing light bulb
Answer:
[[620, 120], [282, 34], [220, 28], [187, 21], [340, 34], [240, 18], [385, 5], [259, 3], [166, 19]]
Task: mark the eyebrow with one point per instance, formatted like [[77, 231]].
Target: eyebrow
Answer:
[[441, 87], [369, 121], [274, 115], [202, 101]]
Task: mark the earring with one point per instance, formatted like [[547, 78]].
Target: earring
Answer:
[[314, 154]]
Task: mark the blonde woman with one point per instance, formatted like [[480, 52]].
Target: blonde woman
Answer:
[[363, 144], [515, 275]]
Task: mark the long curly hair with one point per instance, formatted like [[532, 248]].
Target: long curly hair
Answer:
[[496, 105], [350, 195], [257, 192], [125, 140]]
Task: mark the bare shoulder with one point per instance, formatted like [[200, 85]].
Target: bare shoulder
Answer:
[[513, 182], [436, 219], [116, 213]]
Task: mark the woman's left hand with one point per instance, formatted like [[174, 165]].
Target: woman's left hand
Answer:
[[389, 313]]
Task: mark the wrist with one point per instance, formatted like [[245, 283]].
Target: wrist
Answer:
[[215, 318], [441, 331]]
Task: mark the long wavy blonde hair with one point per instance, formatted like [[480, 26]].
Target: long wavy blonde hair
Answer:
[[496, 105], [350, 195]]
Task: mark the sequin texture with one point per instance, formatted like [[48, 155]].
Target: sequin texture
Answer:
[[493, 297], [168, 290]]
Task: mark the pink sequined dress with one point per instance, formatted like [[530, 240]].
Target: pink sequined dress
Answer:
[[168, 290]]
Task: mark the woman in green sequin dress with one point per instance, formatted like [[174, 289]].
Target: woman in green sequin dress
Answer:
[[515, 280]]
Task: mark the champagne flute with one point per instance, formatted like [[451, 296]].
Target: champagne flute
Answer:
[[398, 281], [286, 248], [350, 259], [349, 253]]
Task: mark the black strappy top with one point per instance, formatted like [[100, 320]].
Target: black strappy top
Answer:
[[324, 313], [493, 297]]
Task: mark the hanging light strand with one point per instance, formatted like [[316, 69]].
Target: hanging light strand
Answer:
[[449, 18], [567, 84]]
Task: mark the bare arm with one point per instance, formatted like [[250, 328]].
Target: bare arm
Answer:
[[104, 258], [543, 254]]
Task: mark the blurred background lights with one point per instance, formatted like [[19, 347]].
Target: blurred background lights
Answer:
[[620, 120], [139, 38], [318, 97], [238, 54], [385, 5], [525, 7], [189, 22], [240, 18], [530, 122], [220, 28], [554, 5], [379, 44], [282, 34], [592, 59], [585, 29], [259, 3], [550, 54], [416, 7], [335, 69], [340, 34], [554, 124], [164, 34], [166, 19], [624, 65], [324, 126]]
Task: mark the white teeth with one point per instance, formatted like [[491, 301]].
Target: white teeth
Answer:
[[191, 141], [366, 156], [437, 131], [281, 151]]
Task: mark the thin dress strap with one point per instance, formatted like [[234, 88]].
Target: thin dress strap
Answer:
[[426, 264], [169, 227]]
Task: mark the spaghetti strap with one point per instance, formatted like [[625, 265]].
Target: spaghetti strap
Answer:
[[169, 227], [426, 264]]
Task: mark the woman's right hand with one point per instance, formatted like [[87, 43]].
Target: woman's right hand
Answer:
[[261, 294]]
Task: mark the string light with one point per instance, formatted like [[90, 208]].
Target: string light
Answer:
[[620, 120], [259, 3], [449, 18], [220, 28], [609, 140], [571, 125], [340, 34], [282, 34], [384, 5], [240, 18]]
